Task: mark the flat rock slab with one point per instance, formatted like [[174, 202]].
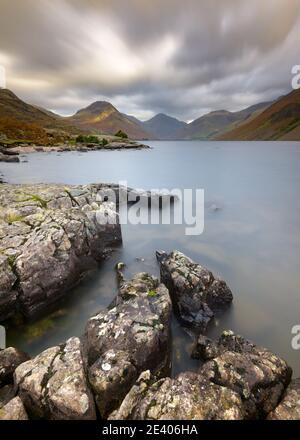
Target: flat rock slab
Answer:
[[189, 396], [289, 407], [132, 335], [196, 293], [49, 236], [255, 373], [53, 385]]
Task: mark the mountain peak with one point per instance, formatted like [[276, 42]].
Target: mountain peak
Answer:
[[97, 107]]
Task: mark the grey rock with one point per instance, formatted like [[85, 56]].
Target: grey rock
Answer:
[[256, 374], [8, 158], [205, 348], [196, 294], [53, 385], [134, 334], [289, 407], [50, 236], [13, 410], [189, 396], [10, 359]]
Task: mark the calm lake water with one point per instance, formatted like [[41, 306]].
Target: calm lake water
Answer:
[[252, 241]]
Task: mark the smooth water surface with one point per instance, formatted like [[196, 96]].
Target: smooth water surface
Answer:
[[252, 240]]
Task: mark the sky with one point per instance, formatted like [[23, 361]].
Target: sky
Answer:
[[182, 58]]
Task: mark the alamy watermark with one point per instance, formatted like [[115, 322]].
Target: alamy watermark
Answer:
[[2, 77], [296, 338], [2, 337], [166, 207], [296, 77]]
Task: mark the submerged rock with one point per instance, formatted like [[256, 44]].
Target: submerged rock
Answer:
[[49, 236], [189, 396], [10, 359], [53, 385], [13, 410], [133, 335], [289, 407], [195, 292], [256, 374]]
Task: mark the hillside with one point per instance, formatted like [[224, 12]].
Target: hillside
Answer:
[[19, 120], [280, 121], [13, 107], [163, 126], [216, 123], [101, 116]]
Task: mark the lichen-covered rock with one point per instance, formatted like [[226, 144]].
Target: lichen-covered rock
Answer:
[[195, 292], [10, 359], [256, 374], [189, 396], [49, 236], [13, 410], [129, 337], [53, 385], [289, 407]]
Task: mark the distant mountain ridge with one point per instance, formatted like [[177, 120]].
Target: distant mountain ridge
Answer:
[[279, 119], [218, 122], [165, 127]]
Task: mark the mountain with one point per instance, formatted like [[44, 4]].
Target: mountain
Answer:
[[218, 122], [101, 116], [280, 121], [163, 126], [19, 120], [13, 107]]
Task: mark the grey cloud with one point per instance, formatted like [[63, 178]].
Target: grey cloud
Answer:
[[182, 58]]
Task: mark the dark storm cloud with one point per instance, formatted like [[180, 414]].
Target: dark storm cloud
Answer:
[[181, 58]]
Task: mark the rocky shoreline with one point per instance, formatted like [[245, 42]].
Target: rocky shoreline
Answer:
[[11, 153], [120, 368]]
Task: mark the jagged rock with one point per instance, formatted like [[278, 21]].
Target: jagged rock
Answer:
[[195, 292], [256, 374], [205, 348], [289, 407], [189, 396], [134, 334], [7, 393], [13, 410], [10, 359], [49, 236], [53, 385]]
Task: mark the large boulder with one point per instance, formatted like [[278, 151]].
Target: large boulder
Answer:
[[10, 359], [189, 396], [256, 374], [196, 293], [132, 335], [50, 236], [53, 385], [289, 407], [13, 410]]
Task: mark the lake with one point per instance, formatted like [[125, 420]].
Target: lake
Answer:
[[251, 240]]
